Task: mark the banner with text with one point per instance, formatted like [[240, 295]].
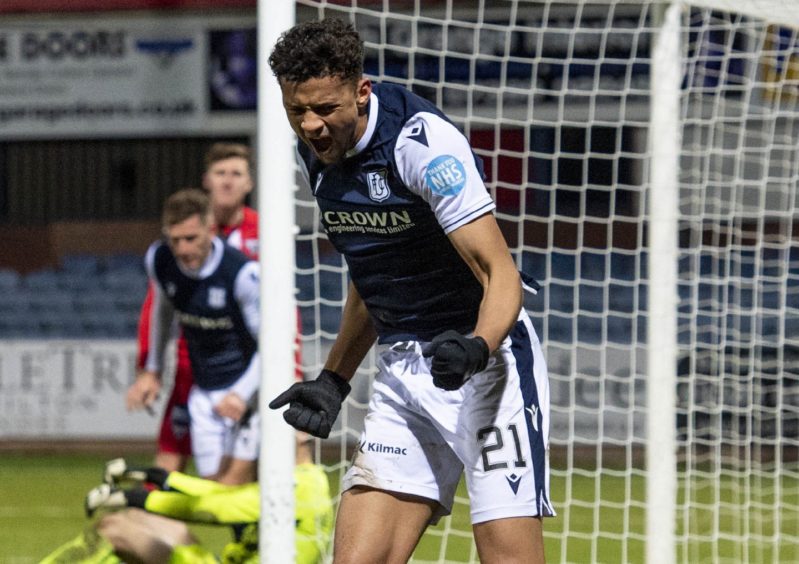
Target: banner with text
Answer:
[[71, 389], [112, 76]]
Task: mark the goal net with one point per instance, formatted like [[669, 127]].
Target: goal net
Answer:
[[644, 160]]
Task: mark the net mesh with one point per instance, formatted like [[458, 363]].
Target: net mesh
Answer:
[[554, 97]]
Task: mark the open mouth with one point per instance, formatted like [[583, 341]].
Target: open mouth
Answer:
[[321, 145]]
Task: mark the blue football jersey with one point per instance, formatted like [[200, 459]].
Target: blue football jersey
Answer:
[[388, 207], [221, 338]]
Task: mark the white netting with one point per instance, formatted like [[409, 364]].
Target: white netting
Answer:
[[739, 278], [555, 99]]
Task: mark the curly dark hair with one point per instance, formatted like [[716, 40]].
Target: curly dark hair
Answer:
[[317, 49]]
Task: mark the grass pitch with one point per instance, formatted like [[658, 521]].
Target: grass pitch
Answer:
[[601, 516]]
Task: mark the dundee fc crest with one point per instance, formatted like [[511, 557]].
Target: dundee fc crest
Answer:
[[378, 185]]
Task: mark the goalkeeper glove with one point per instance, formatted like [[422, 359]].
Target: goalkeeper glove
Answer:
[[455, 358], [314, 405]]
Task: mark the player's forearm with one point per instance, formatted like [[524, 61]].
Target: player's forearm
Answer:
[[195, 486], [356, 336], [161, 318], [236, 506], [482, 246], [247, 294], [250, 380], [502, 301]]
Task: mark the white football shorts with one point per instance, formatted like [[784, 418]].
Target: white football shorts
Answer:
[[213, 437], [417, 438]]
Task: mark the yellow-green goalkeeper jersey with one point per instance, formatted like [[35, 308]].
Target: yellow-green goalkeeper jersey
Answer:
[[202, 501]]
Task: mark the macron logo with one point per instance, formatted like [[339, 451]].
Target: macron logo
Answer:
[[533, 411], [418, 135], [513, 482]]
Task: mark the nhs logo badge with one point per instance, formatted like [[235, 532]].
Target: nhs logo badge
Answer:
[[445, 175], [378, 185], [216, 297]]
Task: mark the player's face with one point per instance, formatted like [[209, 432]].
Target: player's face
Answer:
[[328, 114], [228, 182], [191, 241]]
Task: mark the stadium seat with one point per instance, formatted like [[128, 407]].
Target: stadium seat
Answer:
[[106, 325], [80, 264], [55, 325], [46, 279], [591, 298], [9, 280], [125, 261], [78, 281], [18, 325], [125, 283], [14, 301], [96, 300], [53, 301], [129, 303]]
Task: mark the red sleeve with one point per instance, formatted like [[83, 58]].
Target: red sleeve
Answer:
[[144, 328], [249, 233], [249, 240]]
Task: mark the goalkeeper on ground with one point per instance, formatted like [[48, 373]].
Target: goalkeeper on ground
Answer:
[[151, 524]]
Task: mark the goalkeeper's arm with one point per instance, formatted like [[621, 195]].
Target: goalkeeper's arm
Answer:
[[201, 501]]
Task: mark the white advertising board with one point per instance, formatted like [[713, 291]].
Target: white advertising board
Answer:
[[103, 76], [70, 389]]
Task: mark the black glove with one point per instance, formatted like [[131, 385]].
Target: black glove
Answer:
[[455, 358], [314, 405]]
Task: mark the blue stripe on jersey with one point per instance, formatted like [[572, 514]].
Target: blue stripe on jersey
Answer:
[[521, 348]]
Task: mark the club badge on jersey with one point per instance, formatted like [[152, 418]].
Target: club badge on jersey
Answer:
[[217, 297], [378, 185]]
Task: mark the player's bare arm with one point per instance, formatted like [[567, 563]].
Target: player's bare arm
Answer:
[[356, 336], [144, 391], [314, 405], [483, 248]]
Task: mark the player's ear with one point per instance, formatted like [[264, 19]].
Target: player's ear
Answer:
[[362, 94], [250, 183]]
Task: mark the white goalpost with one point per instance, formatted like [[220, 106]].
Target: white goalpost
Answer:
[[661, 326], [276, 342], [644, 158]]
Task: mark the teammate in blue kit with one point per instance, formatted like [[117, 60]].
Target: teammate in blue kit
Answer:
[[462, 384], [212, 290]]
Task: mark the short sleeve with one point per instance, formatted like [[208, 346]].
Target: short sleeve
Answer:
[[434, 160]]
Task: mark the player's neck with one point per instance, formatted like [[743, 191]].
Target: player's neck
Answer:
[[229, 217]]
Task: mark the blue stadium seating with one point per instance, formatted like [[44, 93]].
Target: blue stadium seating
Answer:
[[91, 297], [86, 297], [18, 324], [81, 263], [45, 279], [9, 279]]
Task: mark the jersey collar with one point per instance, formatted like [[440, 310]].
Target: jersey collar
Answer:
[[211, 263], [373, 108]]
